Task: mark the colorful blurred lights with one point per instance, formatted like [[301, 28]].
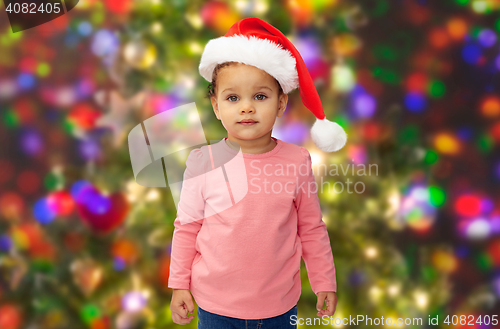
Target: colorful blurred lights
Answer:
[[357, 153], [309, 49], [364, 105], [104, 42], [490, 106], [464, 133], [486, 205], [421, 299], [31, 142], [119, 263], [78, 187], [495, 225], [496, 285], [478, 229], [446, 143], [99, 204], [5, 242], [394, 201], [343, 78], [480, 6], [133, 301], [90, 149], [420, 193], [471, 53], [493, 251], [25, 80], [468, 205], [371, 252], [393, 289], [61, 202], [437, 196], [487, 37], [294, 132], [417, 210], [42, 211], [457, 28], [415, 102], [85, 28], [417, 82], [436, 88], [444, 261]]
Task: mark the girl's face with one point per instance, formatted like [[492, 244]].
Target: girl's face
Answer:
[[246, 92]]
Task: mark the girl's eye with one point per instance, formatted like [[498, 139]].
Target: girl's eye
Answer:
[[262, 98], [230, 97]]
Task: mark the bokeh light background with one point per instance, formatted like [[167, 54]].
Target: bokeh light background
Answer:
[[415, 83]]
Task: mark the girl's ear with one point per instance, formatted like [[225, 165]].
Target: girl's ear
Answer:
[[283, 100], [215, 106]]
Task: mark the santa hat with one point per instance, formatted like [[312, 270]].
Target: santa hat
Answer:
[[255, 42]]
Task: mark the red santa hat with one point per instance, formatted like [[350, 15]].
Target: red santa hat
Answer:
[[255, 42]]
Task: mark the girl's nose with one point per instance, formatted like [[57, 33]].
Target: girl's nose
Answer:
[[247, 107]]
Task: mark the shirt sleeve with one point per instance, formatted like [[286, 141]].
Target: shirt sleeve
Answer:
[[190, 214], [316, 248]]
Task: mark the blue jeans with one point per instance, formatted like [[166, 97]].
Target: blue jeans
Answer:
[[208, 320]]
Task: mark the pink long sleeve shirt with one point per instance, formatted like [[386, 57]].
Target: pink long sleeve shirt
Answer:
[[239, 235]]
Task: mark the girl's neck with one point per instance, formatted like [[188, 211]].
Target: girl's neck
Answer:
[[260, 145]]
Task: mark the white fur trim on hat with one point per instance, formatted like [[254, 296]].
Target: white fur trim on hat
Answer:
[[261, 53], [328, 136]]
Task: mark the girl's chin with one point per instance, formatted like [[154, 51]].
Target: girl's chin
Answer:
[[246, 135]]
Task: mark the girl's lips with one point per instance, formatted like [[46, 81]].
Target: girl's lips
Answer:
[[247, 123]]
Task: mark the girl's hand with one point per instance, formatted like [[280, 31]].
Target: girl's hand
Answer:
[[331, 303], [181, 305]]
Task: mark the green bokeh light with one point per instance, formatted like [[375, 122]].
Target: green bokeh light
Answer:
[[437, 196], [436, 89], [485, 143], [431, 157], [10, 118], [68, 126], [51, 181], [342, 121], [90, 312], [497, 25], [484, 262]]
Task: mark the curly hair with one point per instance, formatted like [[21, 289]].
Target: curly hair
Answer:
[[211, 86]]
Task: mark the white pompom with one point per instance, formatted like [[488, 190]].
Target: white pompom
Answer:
[[328, 136]]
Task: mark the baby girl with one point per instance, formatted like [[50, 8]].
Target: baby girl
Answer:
[[241, 262]]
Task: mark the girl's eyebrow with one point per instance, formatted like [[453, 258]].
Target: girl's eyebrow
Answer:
[[259, 87]]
